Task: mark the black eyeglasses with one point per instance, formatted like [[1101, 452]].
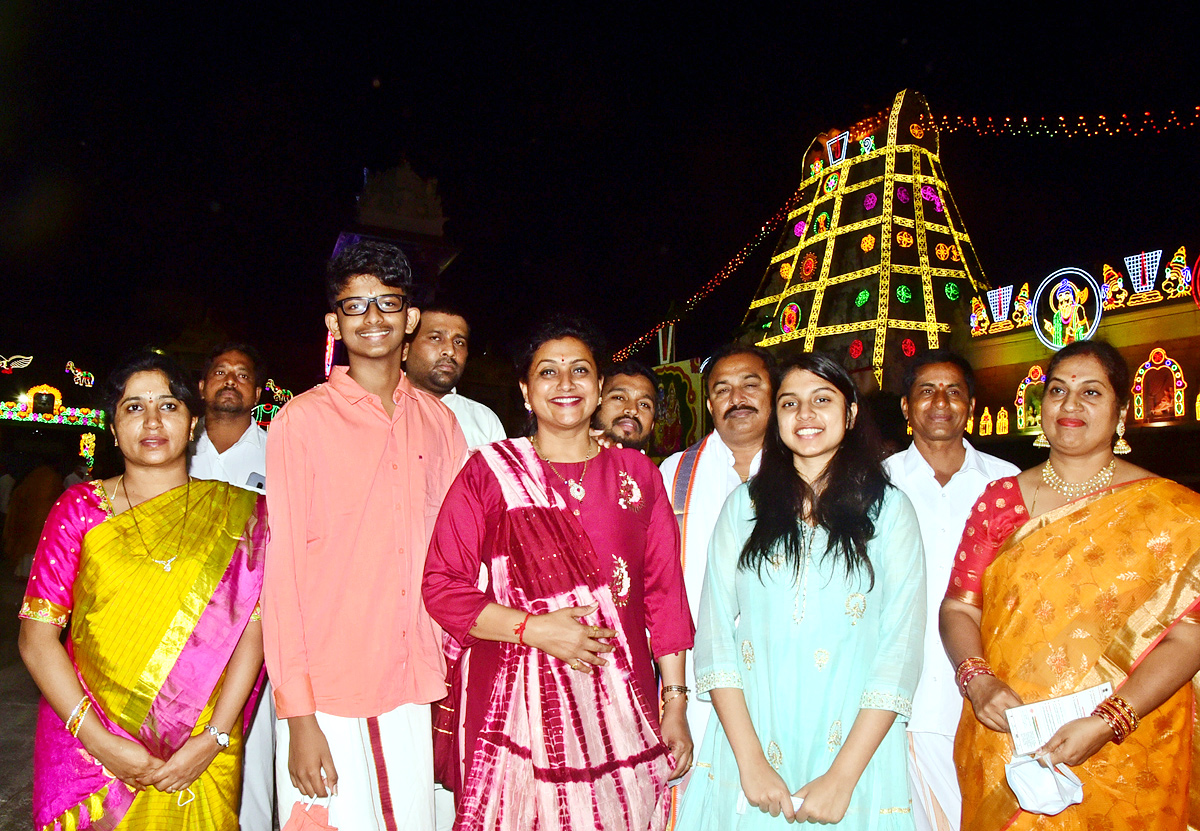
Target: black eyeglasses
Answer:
[[386, 303]]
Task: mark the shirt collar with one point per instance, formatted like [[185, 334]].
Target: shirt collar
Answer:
[[716, 442], [914, 461], [252, 435], [352, 391]]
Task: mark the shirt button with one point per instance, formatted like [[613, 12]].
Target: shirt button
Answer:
[[576, 512], [393, 467], [403, 592]]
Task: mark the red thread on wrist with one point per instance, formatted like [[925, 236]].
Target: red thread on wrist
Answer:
[[519, 629]]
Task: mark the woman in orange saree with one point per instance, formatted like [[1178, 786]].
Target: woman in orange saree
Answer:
[[157, 579], [1081, 571]]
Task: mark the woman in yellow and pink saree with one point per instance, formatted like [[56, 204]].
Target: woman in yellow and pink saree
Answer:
[[157, 578]]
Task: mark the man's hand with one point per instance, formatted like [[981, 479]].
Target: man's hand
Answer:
[[310, 764]]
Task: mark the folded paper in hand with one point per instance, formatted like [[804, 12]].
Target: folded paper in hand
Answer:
[[1032, 725]]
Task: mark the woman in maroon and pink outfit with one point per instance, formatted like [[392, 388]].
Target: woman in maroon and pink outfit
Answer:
[[559, 725]]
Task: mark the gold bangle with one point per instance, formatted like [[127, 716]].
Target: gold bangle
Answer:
[[679, 688]]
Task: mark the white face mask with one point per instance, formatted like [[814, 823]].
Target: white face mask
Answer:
[[1041, 789]]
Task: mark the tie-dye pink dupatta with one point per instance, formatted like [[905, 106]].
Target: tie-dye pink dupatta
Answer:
[[559, 749]]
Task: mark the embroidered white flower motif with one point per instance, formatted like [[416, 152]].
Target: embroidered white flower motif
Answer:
[[619, 585], [774, 755], [748, 654], [629, 495]]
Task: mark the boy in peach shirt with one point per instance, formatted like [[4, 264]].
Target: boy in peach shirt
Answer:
[[358, 467]]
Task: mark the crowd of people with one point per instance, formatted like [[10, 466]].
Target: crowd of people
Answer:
[[382, 592]]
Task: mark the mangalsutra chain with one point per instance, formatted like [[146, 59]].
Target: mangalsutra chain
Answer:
[[166, 564], [1074, 490]]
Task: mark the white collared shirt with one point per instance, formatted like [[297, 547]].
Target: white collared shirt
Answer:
[[479, 424], [713, 479], [243, 464], [942, 512]]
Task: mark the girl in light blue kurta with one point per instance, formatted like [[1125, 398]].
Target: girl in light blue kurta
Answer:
[[810, 633]]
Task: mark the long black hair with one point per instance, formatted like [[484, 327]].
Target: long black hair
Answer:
[[844, 500]]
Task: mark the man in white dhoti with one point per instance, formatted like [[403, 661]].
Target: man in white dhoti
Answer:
[[942, 475]]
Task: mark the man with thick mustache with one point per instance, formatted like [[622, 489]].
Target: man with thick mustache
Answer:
[[435, 358], [628, 405], [737, 387], [232, 448]]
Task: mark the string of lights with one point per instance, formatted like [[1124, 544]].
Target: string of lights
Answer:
[[768, 229], [1067, 126]]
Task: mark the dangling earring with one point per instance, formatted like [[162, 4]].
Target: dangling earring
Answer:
[[1040, 441], [1121, 447], [528, 409]]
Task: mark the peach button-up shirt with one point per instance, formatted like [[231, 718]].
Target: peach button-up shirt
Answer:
[[353, 498]]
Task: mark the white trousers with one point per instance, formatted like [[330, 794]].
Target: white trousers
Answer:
[[258, 767], [937, 802], [384, 769]]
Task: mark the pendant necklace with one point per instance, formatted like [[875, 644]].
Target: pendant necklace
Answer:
[[1074, 490], [575, 488], [166, 564]]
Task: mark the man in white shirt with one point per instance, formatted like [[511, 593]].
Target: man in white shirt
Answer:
[[942, 475], [435, 358], [628, 405], [737, 384], [232, 448]]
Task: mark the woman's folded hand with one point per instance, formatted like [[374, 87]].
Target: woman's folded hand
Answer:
[[562, 634], [990, 697]]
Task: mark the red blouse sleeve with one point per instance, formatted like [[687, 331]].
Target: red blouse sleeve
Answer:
[[999, 512]]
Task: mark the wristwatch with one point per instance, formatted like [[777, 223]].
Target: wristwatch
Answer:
[[222, 738]]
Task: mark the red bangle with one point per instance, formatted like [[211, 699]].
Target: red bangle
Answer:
[[519, 630]]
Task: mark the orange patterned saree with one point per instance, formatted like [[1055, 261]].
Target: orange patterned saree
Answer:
[[1074, 598]]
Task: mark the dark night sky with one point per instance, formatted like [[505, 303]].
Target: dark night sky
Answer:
[[158, 166]]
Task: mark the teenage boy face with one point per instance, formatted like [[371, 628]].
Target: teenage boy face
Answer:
[[375, 334]]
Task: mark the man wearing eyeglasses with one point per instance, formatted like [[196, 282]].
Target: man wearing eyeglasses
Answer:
[[358, 467]]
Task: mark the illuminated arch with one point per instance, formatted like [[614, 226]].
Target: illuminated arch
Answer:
[[41, 388], [1026, 419], [1159, 360]]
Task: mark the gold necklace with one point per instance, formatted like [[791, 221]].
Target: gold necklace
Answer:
[[166, 564], [1074, 490], [575, 488]]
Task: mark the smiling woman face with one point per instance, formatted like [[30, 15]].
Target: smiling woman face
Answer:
[[150, 424], [813, 420], [1080, 408], [562, 387]]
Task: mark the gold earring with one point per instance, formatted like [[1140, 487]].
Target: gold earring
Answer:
[[1121, 447], [1041, 441]]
